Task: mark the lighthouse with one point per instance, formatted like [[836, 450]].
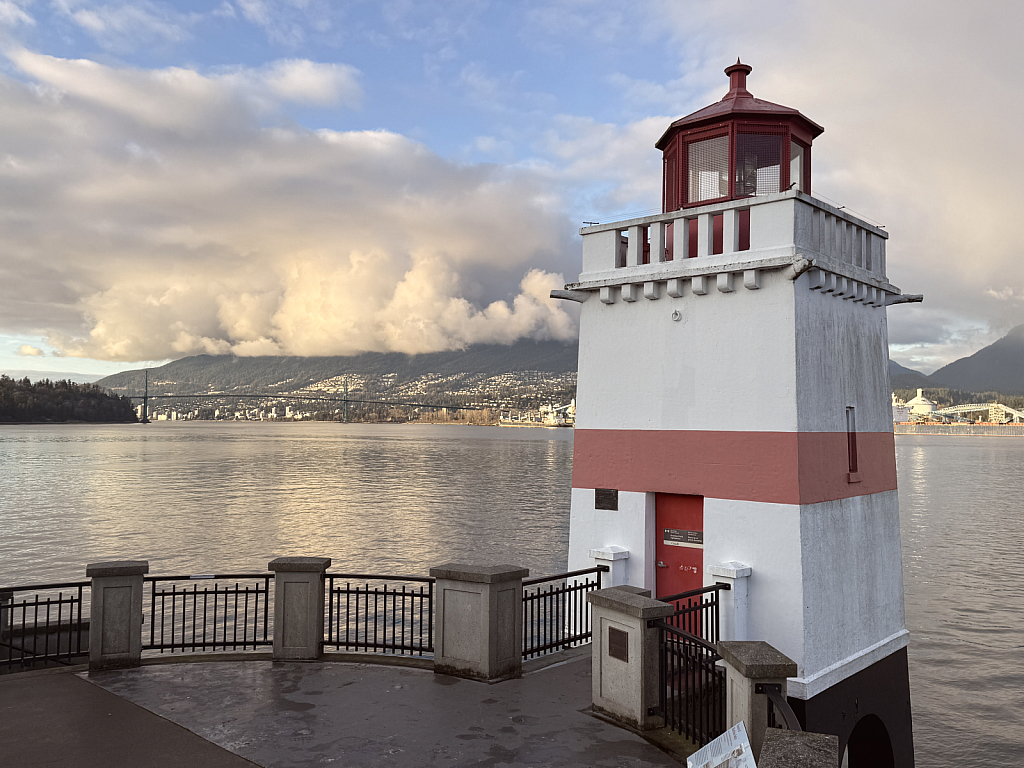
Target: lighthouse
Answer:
[[733, 414]]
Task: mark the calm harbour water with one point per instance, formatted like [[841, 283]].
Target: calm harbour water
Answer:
[[205, 497]]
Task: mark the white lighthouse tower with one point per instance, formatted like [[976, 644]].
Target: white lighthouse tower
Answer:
[[734, 413]]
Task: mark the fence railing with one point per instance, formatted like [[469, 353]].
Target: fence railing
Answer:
[[214, 612], [692, 690], [698, 611], [371, 613], [43, 625], [380, 614], [556, 614]]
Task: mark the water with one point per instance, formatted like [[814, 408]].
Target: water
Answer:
[[229, 497], [963, 570], [203, 497]]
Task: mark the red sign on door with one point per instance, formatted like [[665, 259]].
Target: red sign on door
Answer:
[[680, 545]]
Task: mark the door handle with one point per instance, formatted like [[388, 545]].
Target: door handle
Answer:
[[661, 564]]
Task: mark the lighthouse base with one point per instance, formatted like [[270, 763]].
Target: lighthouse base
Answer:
[[869, 712]]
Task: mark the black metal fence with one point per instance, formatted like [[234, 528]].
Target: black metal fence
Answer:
[[556, 614], [380, 614], [691, 685], [43, 625], [697, 611], [214, 612]]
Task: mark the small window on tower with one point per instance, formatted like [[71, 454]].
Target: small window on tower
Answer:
[[708, 169], [851, 443]]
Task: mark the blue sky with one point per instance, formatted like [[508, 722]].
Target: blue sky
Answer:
[[304, 177]]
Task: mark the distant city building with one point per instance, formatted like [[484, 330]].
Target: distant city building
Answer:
[[900, 411]]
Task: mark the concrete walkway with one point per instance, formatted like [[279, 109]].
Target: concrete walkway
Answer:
[[328, 713], [58, 719]]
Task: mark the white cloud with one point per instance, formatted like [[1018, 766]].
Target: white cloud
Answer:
[[301, 81], [27, 350], [12, 14], [150, 215], [126, 25]]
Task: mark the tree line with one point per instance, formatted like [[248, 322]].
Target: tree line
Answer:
[[60, 401]]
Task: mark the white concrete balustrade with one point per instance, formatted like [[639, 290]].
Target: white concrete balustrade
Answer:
[[786, 230]]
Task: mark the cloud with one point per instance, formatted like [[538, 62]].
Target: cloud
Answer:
[[152, 214], [27, 350], [124, 26], [12, 14], [299, 81]]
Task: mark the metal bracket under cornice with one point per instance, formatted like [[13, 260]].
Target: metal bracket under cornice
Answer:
[[906, 298], [579, 296]]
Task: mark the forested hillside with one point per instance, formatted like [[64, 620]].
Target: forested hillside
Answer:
[[225, 373], [57, 401]]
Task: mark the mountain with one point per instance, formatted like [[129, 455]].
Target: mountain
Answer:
[[999, 367], [901, 377], [481, 366]]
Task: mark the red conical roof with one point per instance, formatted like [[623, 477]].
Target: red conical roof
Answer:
[[739, 103]]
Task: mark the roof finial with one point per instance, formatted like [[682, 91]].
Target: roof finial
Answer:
[[738, 79]]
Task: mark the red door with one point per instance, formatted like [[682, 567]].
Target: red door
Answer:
[[680, 547]]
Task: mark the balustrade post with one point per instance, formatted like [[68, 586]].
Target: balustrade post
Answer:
[[732, 603], [730, 231], [749, 664], [299, 607], [6, 606], [656, 238], [704, 235], [625, 651], [479, 626], [115, 620]]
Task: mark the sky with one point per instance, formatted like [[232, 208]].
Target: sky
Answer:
[[298, 177]]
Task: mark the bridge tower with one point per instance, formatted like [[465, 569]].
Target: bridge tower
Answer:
[[734, 412]]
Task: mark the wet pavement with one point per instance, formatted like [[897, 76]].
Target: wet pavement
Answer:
[[350, 714], [58, 719]]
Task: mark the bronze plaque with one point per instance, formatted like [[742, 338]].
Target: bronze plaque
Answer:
[[606, 498], [618, 644]]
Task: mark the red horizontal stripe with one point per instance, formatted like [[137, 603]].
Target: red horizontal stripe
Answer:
[[778, 467]]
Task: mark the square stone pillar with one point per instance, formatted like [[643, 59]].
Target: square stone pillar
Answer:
[[733, 607], [299, 607], [115, 622], [615, 559], [625, 654], [748, 663], [479, 621]]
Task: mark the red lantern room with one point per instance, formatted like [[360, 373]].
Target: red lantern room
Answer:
[[739, 147]]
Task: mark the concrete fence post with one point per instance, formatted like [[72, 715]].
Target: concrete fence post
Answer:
[[616, 560], [299, 607], [748, 664], [733, 606], [479, 621], [115, 621], [625, 654]]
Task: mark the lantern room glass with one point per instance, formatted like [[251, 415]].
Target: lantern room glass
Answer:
[[708, 169], [758, 164]]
